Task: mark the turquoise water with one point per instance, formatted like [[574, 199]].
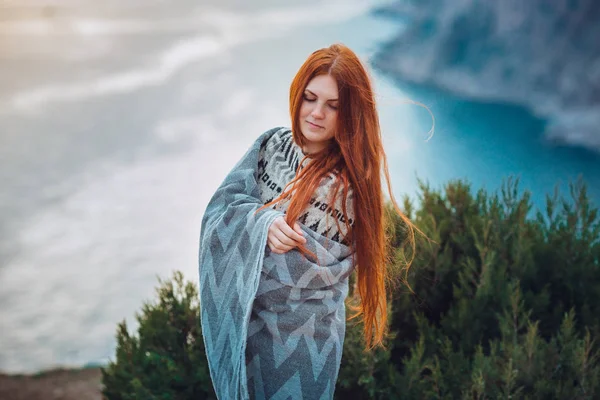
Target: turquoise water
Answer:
[[485, 143]]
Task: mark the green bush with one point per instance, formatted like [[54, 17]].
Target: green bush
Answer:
[[505, 304], [166, 360]]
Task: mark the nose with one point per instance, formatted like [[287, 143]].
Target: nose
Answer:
[[317, 112]]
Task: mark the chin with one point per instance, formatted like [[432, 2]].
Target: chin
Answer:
[[313, 135], [314, 140]]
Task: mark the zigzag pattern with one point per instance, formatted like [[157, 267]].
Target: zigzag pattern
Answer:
[[298, 321], [273, 325]]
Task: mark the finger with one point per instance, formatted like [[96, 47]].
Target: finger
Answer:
[[271, 247], [299, 230], [276, 225], [295, 236], [279, 245], [283, 238], [274, 248]]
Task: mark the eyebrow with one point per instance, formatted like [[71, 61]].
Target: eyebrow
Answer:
[[318, 96]]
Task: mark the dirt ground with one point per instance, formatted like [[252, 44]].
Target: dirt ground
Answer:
[[63, 384]]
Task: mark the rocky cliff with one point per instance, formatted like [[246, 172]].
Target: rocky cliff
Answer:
[[543, 54]]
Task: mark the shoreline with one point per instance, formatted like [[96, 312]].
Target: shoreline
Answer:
[[61, 383]]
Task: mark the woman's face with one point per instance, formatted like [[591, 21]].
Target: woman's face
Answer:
[[318, 112]]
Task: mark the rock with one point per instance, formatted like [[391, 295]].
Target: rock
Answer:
[[543, 55]]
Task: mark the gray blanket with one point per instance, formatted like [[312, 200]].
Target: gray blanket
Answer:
[[273, 324]]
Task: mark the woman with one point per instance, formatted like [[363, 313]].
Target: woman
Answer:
[[295, 217]]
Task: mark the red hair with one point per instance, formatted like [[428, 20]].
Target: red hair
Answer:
[[357, 156]]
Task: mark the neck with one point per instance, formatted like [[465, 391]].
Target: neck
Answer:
[[313, 148]]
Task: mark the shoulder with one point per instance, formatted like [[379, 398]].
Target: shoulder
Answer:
[[279, 141], [275, 137]]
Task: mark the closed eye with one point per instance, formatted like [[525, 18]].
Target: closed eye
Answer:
[[311, 99]]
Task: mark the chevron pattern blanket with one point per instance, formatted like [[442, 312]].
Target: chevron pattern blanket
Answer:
[[273, 324]]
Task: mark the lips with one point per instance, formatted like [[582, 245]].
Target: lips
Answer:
[[314, 125]]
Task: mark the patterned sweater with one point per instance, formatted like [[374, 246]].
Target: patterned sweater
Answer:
[[279, 159]]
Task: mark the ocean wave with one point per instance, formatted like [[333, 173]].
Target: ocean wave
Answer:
[[171, 61], [541, 56], [230, 29]]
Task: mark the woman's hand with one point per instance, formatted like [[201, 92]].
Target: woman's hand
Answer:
[[281, 238]]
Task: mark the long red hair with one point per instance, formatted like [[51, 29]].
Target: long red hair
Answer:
[[357, 156]]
